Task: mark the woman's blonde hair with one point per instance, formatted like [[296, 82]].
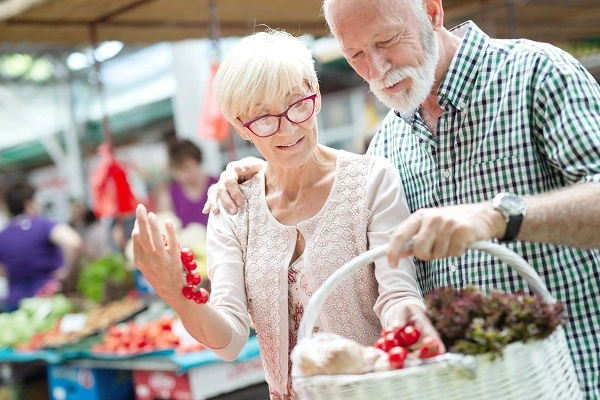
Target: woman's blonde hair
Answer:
[[262, 69]]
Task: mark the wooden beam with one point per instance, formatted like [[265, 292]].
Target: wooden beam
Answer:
[[11, 8]]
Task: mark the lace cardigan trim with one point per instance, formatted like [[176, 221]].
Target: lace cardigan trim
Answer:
[[333, 236]]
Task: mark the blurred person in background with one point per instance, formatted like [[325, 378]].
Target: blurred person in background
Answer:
[[186, 194], [95, 233], [38, 254]]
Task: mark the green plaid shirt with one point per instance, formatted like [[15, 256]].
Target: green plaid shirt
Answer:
[[522, 117]]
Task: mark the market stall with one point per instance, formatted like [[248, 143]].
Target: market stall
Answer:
[[139, 351], [113, 338]]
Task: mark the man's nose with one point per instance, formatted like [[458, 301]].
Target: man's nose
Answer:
[[379, 65]]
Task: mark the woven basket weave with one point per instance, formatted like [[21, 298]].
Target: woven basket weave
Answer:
[[540, 369]]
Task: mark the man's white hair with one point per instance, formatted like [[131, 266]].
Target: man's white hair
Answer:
[[260, 70], [418, 7]]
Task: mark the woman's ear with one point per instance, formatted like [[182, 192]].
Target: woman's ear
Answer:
[[241, 131]]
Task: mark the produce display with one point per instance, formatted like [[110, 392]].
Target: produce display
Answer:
[[34, 315], [96, 320], [102, 317], [105, 279], [135, 338]]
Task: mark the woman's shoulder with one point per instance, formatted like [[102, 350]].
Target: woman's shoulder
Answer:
[[371, 163], [253, 184]]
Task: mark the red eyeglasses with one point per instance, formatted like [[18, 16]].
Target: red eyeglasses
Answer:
[[268, 124]]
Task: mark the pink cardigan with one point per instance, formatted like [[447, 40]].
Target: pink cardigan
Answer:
[[249, 255]]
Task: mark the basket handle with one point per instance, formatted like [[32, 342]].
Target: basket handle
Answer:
[[502, 253]]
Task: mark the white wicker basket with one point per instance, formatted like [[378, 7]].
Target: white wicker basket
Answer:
[[535, 370]]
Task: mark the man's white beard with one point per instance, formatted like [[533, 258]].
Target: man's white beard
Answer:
[[421, 78]]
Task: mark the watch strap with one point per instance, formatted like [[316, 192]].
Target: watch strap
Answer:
[[513, 225]]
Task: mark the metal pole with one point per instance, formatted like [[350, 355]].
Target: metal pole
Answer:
[[100, 88], [215, 37], [75, 173]]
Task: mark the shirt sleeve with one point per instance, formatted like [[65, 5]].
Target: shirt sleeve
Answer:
[[45, 226], [388, 207], [567, 108], [226, 273]]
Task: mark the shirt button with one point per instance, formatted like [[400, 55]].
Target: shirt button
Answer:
[[446, 174], [453, 268]]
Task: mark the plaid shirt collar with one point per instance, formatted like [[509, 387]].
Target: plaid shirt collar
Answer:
[[463, 69]]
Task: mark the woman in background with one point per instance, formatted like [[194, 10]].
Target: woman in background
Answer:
[[186, 195]]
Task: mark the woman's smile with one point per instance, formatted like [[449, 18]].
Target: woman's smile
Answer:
[[292, 145]]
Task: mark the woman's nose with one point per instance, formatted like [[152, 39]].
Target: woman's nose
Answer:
[[287, 127]]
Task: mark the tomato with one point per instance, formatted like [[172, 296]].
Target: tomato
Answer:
[[114, 331], [188, 292], [153, 330], [396, 356], [165, 323], [187, 255], [201, 296], [192, 278], [429, 348], [380, 344], [190, 266], [408, 336], [387, 330], [390, 341]]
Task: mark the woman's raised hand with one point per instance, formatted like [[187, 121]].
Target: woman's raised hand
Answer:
[[160, 262]]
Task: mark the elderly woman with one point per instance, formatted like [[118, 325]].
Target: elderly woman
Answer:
[[310, 210]]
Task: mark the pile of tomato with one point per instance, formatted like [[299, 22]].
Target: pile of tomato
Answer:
[[400, 342], [131, 338]]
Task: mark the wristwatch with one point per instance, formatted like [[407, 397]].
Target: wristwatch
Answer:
[[512, 207]]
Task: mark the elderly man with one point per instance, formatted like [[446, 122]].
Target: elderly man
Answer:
[[493, 139]]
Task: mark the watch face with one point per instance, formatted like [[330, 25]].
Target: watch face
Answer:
[[513, 204]]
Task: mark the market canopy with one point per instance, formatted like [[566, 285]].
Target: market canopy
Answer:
[[68, 22]]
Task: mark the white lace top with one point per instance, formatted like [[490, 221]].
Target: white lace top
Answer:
[[249, 257]]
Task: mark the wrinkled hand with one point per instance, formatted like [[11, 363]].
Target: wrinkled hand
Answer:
[[227, 189], [444, 232], [414, 315], [160, 264]]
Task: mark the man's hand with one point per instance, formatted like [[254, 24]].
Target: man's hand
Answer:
[[444, 232], [227, 189], [414, 315]]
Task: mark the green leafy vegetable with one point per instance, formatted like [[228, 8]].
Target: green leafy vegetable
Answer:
[[99, 274], [471, 322]]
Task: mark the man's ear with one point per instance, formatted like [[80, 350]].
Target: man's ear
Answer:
[[435, 12]]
